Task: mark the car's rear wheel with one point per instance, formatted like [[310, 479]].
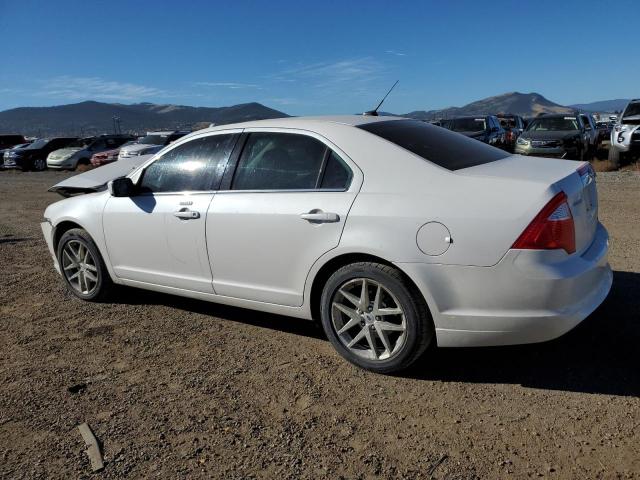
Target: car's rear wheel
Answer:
[[375, 317], [39, 164], [82, 267]]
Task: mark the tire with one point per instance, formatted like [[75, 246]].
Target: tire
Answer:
[[614, 157], [77, 247], [398, 339], [39, 165]]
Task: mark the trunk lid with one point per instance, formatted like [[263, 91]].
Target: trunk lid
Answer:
[[575, 179]]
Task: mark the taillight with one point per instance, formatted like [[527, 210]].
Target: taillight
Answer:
[[552, 228]]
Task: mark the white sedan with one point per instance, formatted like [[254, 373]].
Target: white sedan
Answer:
[[394, 233]]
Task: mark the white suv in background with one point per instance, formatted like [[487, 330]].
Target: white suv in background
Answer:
[[625, 135], [153, 142]]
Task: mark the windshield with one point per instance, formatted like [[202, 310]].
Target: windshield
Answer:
[[154, 139], [80, 143], [41, 142], [632, 110], [552, 124], [467, 124], [437, 145]]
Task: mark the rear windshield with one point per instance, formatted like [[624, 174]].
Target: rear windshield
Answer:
[[440, 146], [468, 124]]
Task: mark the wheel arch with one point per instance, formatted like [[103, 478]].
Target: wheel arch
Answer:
[[61, 228], [339, 261]]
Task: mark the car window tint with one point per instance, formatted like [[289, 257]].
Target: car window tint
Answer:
[[196, 165], [279, 161], [336, 174], [440, 146]]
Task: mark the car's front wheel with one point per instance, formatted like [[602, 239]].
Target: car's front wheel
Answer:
[[39, 164], [82, 267], [375, 317]]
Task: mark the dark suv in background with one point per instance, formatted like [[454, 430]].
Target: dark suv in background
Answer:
[[486, 128], [34, 156], [557, 135]]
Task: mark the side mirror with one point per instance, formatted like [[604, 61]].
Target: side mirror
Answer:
[[121, 187]]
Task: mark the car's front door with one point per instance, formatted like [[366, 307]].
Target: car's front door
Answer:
[[157, 236], [286, 206]]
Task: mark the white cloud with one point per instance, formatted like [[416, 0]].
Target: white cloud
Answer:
[[396, 53], [330, 73], [77, 88], [231, 85]]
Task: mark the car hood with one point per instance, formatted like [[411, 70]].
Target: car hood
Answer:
[[96, 179], [139, 146], [65, 152], [555, 135]]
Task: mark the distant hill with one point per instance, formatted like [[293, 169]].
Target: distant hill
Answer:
[[525, 104], [611, 106], [97, 117]]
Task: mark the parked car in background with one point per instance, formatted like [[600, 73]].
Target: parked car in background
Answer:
[[487, 129], [625, 135], [80, 151], [513, 126], [34, 156], [592, 132], [153, 142], [8, 142], [604, 135], [556, 135]]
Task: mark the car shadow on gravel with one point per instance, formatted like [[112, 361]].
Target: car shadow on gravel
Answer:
[[601, 355], [281, 323]]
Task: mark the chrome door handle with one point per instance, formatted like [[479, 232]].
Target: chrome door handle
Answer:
[[186, 214], [318, 216]]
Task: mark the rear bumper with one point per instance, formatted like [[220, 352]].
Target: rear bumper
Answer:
[[528, 297]]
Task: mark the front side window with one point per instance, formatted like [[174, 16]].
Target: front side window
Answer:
[[279, 161], [196, 165], [587, 125]]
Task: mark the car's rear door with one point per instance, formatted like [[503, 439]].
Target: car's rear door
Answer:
[[158, 235], [285, 206]]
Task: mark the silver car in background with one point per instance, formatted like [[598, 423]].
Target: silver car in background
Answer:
[[393, 233], [625, 135], [152, 143]]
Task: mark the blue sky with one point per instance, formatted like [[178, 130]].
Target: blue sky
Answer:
[[316, 57]]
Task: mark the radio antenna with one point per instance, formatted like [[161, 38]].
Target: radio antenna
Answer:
[[374, 112]]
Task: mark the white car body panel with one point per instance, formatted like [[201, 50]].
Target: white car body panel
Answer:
[[148, 243], [260, 254]]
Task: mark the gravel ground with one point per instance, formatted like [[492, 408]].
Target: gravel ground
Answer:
[[182, 388]]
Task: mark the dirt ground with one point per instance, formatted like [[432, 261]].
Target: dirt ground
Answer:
[[182, 388]]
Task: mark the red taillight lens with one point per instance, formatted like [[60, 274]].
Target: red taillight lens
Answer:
[[551, 229]]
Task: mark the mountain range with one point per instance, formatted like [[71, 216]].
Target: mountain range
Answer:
[[524, 104], [96, 117], [89, 118]]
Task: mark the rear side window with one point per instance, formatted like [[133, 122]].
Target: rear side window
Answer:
[[279, 161], [337, 176], [196, 165], [440, 146]]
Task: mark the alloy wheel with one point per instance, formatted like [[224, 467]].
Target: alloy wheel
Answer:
[[39, 164], [368, 319], [79, 267]]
